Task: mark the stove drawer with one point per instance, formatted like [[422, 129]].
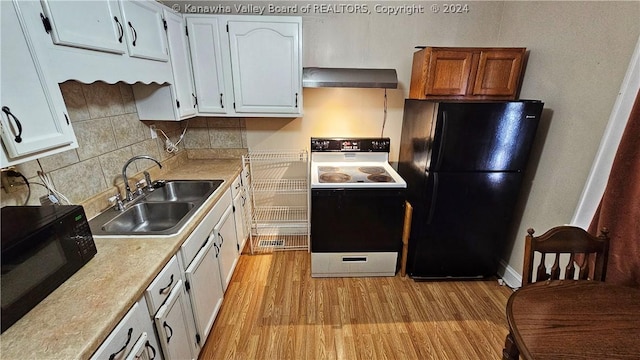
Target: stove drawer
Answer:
[[353, 264]]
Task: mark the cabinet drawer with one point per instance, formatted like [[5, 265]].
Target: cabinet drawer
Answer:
[[161, 286], [135, 325], [199, 236]]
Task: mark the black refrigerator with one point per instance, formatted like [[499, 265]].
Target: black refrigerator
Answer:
[[463, 163]]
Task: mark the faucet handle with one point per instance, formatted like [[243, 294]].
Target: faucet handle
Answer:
[[147, 179], [139, 185], [117, 201]]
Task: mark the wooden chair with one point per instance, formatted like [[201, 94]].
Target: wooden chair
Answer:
[[570, 240]]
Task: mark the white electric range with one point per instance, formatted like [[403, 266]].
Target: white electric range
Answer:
[[357, 208]]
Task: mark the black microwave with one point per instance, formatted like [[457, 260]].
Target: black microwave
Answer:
[[42, 246]]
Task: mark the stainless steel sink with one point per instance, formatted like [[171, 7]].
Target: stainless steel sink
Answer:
[[148, 217], [183, 190], [162, 211]]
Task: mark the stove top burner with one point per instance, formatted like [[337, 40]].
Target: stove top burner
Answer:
[[329, 169], [334, 177], [380, 178], [353, 174], [371, 169]]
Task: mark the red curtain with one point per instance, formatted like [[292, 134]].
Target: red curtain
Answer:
[[619, 209]]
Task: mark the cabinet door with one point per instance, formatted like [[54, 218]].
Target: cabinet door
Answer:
[[180, 64], [173, 327], [448, 72], [33, 117], [266, 66], [498, 72], [206, 60], [205, 289], [225, 231], [144, 29], [95, 25], [239, 203]]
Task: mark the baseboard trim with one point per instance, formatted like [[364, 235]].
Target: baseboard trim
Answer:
[[509, 275]]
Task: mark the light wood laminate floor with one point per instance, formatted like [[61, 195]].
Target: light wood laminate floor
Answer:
[[273, 309]]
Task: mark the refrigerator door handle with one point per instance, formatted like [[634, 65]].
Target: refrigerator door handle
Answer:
[[443, 138], [434, 198]]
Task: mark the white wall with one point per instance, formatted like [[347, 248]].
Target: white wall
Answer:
[[579, 52]]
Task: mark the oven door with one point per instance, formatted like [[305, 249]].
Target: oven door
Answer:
[[357, 220]]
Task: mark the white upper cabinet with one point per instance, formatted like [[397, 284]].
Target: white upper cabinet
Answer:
[[96, 25], [33, 119], [164, 102], [144, 29], [129, 26], [206, 53], [181, 65], [94, 40], [247, 65], [265, 60]]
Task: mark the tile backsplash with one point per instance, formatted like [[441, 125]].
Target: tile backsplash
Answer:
[[109, 132]]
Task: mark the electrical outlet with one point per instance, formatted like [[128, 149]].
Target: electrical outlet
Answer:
[[154, 134], [11, 184]]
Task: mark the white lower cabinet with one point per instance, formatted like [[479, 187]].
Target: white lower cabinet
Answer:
[[133, 337], [205, 289], [199, 255], [240, 211], [226, 240], [168, 306], [184, 298], [173, 326]]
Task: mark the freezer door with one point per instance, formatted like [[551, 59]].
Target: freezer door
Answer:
[[462, 229], [484, 136]]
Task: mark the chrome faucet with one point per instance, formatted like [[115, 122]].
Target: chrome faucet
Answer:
[[129, 194]]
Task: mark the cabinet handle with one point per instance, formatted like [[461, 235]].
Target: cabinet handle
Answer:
[[153, 350], [7, 111], [244, 200], [217, 249], [113, 356], [166, 326], [168, 287], [120, 29], [135, 34], [221, 239], [296, 99], [195, 100], [221, 102]]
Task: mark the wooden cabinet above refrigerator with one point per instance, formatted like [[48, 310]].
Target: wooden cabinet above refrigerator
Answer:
[[442, 73]]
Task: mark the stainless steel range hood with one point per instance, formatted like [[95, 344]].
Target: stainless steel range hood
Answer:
[[317, 77]]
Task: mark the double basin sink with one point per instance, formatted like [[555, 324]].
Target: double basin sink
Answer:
[[162, 211]]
